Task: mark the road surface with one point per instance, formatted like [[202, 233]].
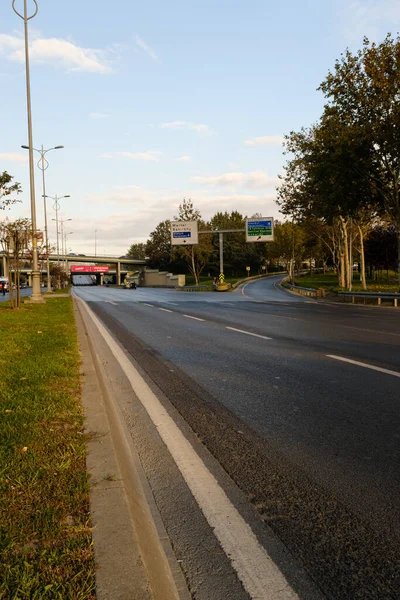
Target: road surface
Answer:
[[298, 401]]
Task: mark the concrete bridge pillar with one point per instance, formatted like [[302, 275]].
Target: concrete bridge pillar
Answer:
[[118, 273]]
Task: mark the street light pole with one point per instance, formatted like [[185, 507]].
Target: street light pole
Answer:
[[56, 207], [37, 295], [95, 242], [43, 164], [64, 240], [65, 246]]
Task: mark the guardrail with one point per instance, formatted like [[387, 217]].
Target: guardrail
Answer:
[[310, 292], [372, 295]]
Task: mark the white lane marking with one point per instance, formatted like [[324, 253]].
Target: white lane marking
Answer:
[[151, 305], [164, 309], [195, 318], [365, 365], [264, 337], [174, 303], [260, 576], [109, 302]]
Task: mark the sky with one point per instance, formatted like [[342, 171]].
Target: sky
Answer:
[[156, 101]]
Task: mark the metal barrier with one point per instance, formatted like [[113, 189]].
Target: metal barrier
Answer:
[[372, 295], [310, 292]]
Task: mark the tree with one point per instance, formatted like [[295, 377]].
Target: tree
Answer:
[[137, 251], [7, 190], [327, 181], [158, 247], [288, 245], [197, 255], [14, 237], [364, 91]]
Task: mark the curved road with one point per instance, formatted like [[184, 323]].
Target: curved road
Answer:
[[298, 401]]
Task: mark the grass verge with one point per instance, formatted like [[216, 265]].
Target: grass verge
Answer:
[[329, 282], [45, 535]]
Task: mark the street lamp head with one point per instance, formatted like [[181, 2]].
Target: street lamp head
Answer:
[[58, 147], [68, 196], [25, 147]]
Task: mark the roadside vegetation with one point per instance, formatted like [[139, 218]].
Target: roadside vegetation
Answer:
[[45, 533], [384, 282]]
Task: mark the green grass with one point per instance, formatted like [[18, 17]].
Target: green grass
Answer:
[[45, 534], [329, 282], [63, 291]]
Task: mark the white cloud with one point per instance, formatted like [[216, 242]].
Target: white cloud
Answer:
[[199, 127], [15, 157], [265, 140], [254, 179], [106, 155], [96, 115], [146, 48], [371, 18], [57, 52], [184, 158], [148, 155]]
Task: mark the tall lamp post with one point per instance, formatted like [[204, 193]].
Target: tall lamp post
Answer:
[[95, 242], [43, 164], [37, 295], [65, 251], [56, 207]]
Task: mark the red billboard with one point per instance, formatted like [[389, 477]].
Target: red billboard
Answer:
[[88, 269]]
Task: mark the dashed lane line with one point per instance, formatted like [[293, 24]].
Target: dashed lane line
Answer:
[[365, 365], [110, 302], [195, 318], [164, 309], [264, 337], [151, 305]]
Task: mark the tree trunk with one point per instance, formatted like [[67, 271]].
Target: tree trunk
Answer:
[[362, 259], [342, 270], [346, 274], [196, 277]]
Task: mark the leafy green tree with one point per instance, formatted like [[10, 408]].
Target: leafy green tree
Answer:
[[7, 190], [364, 92], [158, 247], [288, 246], [137, 251]]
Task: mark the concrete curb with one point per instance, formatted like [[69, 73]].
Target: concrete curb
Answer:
[[132, 549]]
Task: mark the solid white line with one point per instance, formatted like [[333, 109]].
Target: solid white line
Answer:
[[195, 318], [151, 305], [164, 309], [260, 576], [365, 365], [264, 337], [109, 302]]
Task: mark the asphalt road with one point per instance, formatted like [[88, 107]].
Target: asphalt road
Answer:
[[313, 441]]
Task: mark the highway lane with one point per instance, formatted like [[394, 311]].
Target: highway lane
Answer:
[[318, 420]]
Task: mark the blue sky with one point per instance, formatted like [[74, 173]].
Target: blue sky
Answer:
[[156, 101]]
